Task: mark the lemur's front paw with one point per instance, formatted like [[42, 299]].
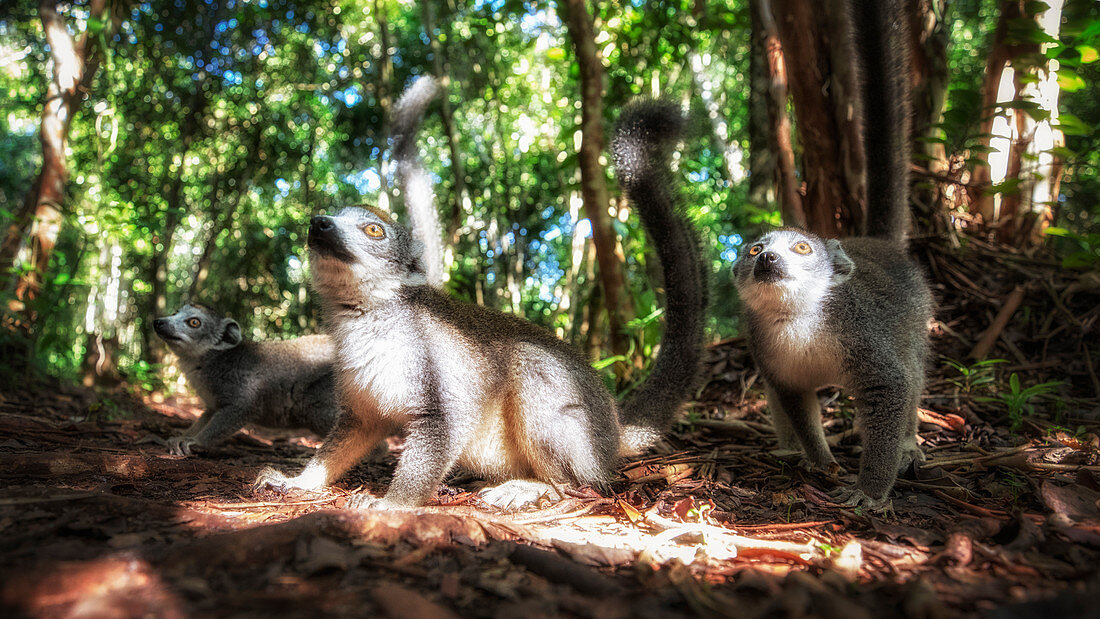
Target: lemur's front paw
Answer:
[[364, 501], [852, 496], [181, 445], [519, 493], [270, 479]]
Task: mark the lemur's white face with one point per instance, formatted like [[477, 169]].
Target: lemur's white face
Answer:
[[195, 330], [787, 270], [360, 255]]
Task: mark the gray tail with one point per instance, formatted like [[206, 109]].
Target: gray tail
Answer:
[[413, 179], [646, 134], [880, 36]]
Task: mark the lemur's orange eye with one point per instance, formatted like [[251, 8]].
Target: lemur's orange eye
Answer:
[[755, 249], [803, 248], [194, 323], [374, 231]]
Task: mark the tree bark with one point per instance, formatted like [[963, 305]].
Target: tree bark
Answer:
[[440, 67], [822, 86], [74, 66], [1003, 50], [593, 176], [385, 101], [772, 97], [174, 211], [929, 93], [1021, 144]]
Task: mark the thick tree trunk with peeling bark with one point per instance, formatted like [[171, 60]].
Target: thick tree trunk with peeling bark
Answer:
[[821, 84], [593, 176], [74, 66]]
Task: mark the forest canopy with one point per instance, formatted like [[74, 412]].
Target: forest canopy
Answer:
[[159, 152]]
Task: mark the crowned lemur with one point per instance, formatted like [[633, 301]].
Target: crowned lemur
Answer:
[[279, 384], [852, 312], [485, 390]]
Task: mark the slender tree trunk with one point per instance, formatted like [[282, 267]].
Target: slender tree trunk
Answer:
[[1020, 145], [929, 93], [763, 165], [74, 66], [593, 175], [174, 211], [1001, 53], [462, 205], [773, 98], [822, 86], [385, 100]]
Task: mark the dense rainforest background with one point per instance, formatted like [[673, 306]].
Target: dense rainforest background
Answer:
[[159, 152], [155, 153]]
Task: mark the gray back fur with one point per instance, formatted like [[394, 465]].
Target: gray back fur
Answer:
[[279, 384]]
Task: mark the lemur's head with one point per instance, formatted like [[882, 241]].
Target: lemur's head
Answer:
[[195, 330], [360, 255], [788, 269]]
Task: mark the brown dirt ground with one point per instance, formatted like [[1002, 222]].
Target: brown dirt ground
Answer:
[[96, 520]]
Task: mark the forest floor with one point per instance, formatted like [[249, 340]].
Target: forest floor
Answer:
[[97, 519]]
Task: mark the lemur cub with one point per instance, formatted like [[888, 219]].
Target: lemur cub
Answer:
[[280, 384], [485, 390], [853, 312]]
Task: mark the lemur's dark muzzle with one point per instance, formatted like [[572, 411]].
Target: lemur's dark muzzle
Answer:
[[767, 267], [324, 238]]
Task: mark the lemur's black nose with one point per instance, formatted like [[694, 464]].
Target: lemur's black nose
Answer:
[[769, 257], [320, 224]]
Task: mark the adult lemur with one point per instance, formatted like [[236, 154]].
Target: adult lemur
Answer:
[[853, 312], [485, 390], [282, 384]]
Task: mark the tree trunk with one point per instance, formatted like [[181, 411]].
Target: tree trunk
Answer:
[[385, 101], [822, 86], [174, 211], [593, 176], [74, 66], [1020, 144], [929, 92], [462, 205], [774, 120]]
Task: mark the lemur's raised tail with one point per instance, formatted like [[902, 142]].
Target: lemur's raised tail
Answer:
[[412, 179], [644, 139], [880, 42]]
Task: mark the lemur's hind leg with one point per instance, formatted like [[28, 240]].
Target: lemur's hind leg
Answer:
[[562, 431]]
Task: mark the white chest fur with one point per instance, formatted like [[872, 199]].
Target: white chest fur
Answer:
[[377, 365], [801, 352]]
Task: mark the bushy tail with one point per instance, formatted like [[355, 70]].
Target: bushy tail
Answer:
[[644, 139], [413, 179], [880, 36]]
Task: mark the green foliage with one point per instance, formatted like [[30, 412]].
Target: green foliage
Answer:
[[1018, 400], [213, 131], [980, 374]]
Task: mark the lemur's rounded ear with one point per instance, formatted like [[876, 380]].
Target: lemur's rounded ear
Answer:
[[842, 264], [231, 334]]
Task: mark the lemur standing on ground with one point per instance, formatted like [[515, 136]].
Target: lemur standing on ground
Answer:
[[482, 389], [853, 312], [280, 384]]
